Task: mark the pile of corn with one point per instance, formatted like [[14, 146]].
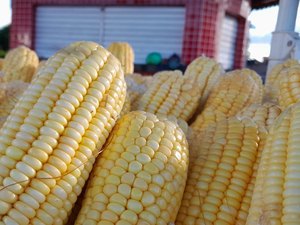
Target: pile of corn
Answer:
[[87, 141]]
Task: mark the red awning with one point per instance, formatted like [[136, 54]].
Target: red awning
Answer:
[[259, 4]]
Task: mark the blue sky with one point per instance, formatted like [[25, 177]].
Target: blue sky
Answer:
[[263, 20]]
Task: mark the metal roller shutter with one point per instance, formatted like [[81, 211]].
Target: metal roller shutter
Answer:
[[227, 42], [147, 29], [57, 26]]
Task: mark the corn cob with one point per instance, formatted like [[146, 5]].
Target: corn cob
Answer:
[[263, 114], [136, 87], [126, 107], [272, 84], [20, 64], [289, 88], [171, 94], [140, 176], [2, 121], [220, 180], [1, 63], [124, 52], [13, 91], [42, 63], [276, 194], [235, 91], [206, 72], [48, 142]]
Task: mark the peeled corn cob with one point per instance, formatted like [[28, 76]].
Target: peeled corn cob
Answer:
[[235, 91], [263, 114], [221, 180], [20, 64], [42, 63], [13, 91], [124, 52], [140, 176], [126, 107], [206, 72], [1, 63], [48, 142], [272, 85], [137, 85], [171, 94], [277, 188], [289, 88]]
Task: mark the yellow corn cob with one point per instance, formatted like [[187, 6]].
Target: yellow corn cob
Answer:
[[206, 72], [1, 63], [2, 120], [13, 91], [20, 64], [199, 142], [140, 176], [126, 107], [272, 85], [263, 114], [136, 87], [289, 88], [221, 179], [277, 188], [48, 142], [171, 94], [135, 79], [42, 63], [2, 86], [124, 52], [235, 91]]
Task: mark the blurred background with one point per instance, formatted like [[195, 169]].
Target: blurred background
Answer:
[[165, 34]]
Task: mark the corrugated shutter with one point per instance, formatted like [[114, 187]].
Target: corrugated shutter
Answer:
[[147, 29], [58, 26], [227, 42]]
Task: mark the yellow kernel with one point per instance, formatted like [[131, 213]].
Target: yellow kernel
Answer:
[[151, 168], [93, 215], [148, 151], [112, 179], [122, 163], [158, 179], [116, 208], [128, 178], [135, 167], [143, 158], [135, 206], [140, 141], [129, 216], [140, 183], [88, 222], [128, 156], [153, 144], [145, 176], [145, 131], [123, 222], [147, 199], [118, 171], [119, 199], [125, 190], [148, 216], [109, 189], [109, 216], [154, 189], [136, 194], [134, 149]]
